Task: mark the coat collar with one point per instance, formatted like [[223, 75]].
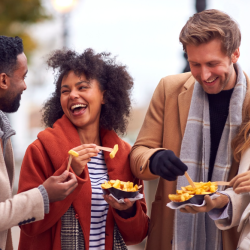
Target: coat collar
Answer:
[[184, 101], [64, 136]]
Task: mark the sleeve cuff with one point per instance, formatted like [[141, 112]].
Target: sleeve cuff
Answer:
[[222, 213], [45, 198]]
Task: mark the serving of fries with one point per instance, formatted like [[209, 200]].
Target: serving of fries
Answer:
[[121, 185], [201, 188]]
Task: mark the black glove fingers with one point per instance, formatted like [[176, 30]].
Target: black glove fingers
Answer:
[[165, 164], [178, 164], [167, 175], [174, 169]]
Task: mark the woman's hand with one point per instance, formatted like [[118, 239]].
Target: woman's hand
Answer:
[[241, 183], [85, 151], [125, 210]]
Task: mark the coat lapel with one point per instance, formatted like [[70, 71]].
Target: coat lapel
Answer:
[[117, 167], [184, 101]]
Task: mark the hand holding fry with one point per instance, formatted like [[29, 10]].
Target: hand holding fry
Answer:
[[59, 187], [219, 202], [85, 152], [241, 183], [165, 164]]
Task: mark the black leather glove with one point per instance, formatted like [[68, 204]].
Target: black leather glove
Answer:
[[165, 164]]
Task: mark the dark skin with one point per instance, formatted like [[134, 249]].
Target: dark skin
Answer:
[[78, 90], [125, 210], [59, 187], [12, 85]]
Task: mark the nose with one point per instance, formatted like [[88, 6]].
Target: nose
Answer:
[[205, 73], [73, 94], [25, 86]]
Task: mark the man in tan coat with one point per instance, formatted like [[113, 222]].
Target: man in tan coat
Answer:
[[189, 125], [31, 205]]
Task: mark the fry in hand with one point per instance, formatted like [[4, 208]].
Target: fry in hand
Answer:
[[114, 151], [72, 152]]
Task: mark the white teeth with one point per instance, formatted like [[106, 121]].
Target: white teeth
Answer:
[[77, 106], [212, 80]]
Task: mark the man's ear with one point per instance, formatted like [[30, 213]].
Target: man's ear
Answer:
[[235, 56], [4, 81]]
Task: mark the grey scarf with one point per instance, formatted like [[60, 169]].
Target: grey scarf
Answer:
[[198, 232], [5, 130]]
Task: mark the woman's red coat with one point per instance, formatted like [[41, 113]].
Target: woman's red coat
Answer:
[[48, 156]]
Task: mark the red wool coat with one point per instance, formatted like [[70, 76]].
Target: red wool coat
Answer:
[[48, 156]]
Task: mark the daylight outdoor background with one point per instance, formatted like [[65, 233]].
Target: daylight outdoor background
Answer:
[[142, 34]]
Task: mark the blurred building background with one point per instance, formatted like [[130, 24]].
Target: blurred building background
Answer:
[[142, 34]]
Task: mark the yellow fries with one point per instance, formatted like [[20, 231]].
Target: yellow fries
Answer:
[[72, 152], [114, 151], [124, 186], [188, 192]]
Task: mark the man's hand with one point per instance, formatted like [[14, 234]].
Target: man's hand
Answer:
[[125, 210], [165, 164], [241, 183], [59, 187], [219, 202]]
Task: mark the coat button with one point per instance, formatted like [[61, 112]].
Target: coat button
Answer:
[[77, 216]]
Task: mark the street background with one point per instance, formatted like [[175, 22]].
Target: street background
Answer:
[[143, 34]]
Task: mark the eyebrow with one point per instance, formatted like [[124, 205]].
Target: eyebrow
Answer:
[[213, 61], [78, 83]]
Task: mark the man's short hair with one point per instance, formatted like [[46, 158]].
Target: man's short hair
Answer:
[[10, 48], [207, 25]]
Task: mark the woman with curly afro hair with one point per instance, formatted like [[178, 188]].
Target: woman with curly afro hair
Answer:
[[89, 107]]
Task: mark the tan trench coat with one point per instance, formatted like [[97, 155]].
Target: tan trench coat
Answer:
[[22, 208], [163, 128]]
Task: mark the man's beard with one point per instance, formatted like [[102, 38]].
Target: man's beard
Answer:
[[10, 105]]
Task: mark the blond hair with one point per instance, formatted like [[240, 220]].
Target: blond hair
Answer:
[[207, 25], [242, 140]]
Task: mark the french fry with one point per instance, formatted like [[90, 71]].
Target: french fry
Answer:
[[71, 154], [188, 192], [114, 151], [124, 186]]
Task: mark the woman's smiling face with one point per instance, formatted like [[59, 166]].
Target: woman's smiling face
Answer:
[[81, 100]]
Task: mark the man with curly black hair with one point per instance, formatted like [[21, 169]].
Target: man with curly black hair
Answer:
[[90, 105], [31, 205]]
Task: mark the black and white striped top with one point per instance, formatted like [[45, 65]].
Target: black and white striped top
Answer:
[[98, 173]]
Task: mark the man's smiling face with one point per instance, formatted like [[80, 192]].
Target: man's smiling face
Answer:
[[211, 67]]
